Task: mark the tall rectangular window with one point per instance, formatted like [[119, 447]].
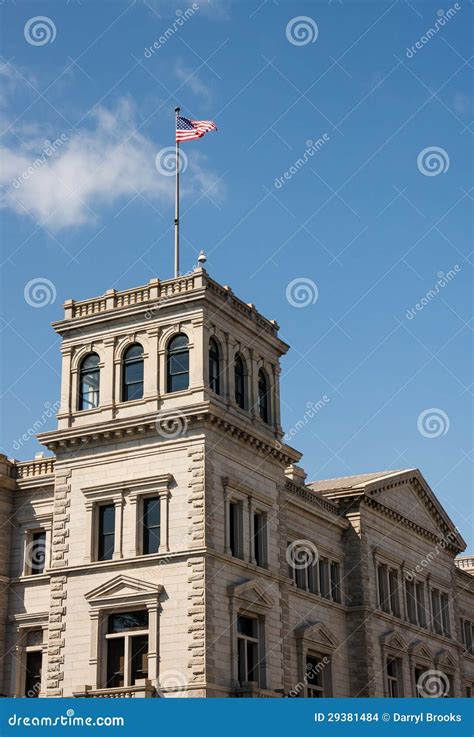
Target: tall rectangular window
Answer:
[[411, 601], [394, 684], [127, 648], [466, 629], [393, 592], [151, 524], [247, 649], [236, 529], [106, 531], [444, 602], [259, 538], [33, 665], [315, 677], [384, 603], [420, 603], [436, 611], [335, 582], [36, 552], [324, 587]]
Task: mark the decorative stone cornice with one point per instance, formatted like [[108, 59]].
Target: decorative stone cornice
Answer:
[[311, 497]]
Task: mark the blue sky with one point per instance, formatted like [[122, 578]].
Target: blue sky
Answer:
[[371, 221]]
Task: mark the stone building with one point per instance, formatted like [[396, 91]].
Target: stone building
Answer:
[[172, 547]]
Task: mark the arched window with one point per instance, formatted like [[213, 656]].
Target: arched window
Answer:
[[178, 364], [132, 373], [89, 382], [239, 380], [263, 398], [214, 367]]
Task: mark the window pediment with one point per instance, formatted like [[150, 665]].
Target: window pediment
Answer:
[[394, 641], [316, 635], [250, 595], [418, 649], [123, 590]]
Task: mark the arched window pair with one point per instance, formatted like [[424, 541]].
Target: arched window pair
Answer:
[[240, 385], [132, 377]]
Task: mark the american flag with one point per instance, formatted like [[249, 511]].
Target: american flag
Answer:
[[187, 130]]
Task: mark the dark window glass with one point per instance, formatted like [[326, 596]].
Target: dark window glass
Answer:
[[420, 604], [324, 578], [126, 621], [235, 529], [132, 373], [34, 661], [467, 632], [106, 532], [239, 379], [383, 587], [259, 538], [393, 678], [419, 679], [411, 602], [247, 650], [115, 662], [37, 552], [89, 380], [436, 609], [335, 582], [214, 368], [178, 364], [139, 658], [263, 398], [151, 525], [315, 677], [445, 615], [394, 597]]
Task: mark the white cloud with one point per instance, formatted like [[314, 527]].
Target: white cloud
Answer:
[[106, 160], [189, 78]]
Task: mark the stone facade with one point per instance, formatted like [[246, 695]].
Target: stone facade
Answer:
[[261, 585]]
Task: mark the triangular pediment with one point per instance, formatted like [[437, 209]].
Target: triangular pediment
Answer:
[[317, 634], [444, 658], [123, 588], [393, 640], [408, 493], [251, 593], [419, 649]]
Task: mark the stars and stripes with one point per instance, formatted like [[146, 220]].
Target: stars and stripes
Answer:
[[187, 130]]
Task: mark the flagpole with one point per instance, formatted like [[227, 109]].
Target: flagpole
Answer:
[[176, 206]]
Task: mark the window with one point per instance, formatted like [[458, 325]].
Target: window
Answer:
[[89, 381], [178, 364], [214, 367], [36, 553], [335, 583], [445, 615], [127, 648], [436, 611], [132, 373], [466, 634], [324, 578], [419, 680], [315, 671], [389, 599], [236, 529], [394, 680], [411, 601], [259, 538], [151, 524], [106, 530], [263, 397], [420, 603], [33, 666], [247, 649], [239, 379]]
